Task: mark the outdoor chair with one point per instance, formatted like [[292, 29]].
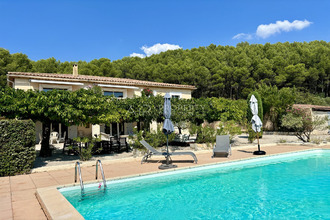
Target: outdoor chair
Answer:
[[123, 143], [53, 137], [115, 145], [40, 138], [153, 151], [62, 139], [106, 146], [69, 142], [222, 148]]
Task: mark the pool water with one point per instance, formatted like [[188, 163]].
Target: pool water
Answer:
[[278, 187]]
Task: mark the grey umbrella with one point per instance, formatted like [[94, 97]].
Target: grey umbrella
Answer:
[[256, 122], [167, 129], [168, 126]]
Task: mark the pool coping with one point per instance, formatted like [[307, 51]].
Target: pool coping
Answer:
[[56, 206]]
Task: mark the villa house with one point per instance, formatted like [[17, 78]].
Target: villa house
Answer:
[[119, 87]]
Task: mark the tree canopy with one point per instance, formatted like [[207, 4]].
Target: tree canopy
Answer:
[[216, 71]]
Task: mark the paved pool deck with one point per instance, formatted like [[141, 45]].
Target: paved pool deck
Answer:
[[18, 193]]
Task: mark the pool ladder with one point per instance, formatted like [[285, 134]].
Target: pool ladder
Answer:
[[78, 170]]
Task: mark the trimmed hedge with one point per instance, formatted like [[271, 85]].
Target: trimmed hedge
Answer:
[[17, 146]]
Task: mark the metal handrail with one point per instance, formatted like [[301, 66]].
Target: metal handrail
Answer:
[[80, 178], [98, 162]]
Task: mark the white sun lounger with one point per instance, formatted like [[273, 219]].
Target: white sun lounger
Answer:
[[153, 151]]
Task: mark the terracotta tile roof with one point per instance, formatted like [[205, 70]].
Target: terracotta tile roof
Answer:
[[313, 107], [97, 79]]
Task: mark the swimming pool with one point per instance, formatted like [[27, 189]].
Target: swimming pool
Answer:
[[295, 185]]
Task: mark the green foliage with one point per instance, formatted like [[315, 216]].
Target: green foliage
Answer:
[[276, 101], [302, 123], [86, 152], [142, 109], [230, 128], [252, 134], [229, 110], [282, 140], [154, 138], [205, 134], [147, 92], [17, 147], [216, 71], [79, 107], [308, 98]]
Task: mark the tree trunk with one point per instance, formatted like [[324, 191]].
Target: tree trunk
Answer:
[[138, 124], [45, 150]]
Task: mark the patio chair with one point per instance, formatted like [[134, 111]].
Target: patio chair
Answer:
[[53, 137], [222, 148], [114, 144], [62, 139], [153, 151], [123, 143]]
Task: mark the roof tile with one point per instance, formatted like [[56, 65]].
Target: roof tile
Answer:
[[99, 79]]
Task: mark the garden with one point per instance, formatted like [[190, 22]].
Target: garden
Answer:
[[203, 117]]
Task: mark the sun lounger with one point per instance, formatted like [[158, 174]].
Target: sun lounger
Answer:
[[153, 151], [222, 148]]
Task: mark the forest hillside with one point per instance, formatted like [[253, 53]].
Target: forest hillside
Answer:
[[216, 71]]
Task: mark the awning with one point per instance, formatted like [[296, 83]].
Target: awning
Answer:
[[117, 86], [57, 82]]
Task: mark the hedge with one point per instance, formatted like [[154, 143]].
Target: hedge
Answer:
[[17, 146]]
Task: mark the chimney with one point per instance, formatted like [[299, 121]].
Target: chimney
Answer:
[[75, 69]]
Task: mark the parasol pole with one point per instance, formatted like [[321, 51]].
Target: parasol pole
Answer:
[[258, 141], [167, 160]]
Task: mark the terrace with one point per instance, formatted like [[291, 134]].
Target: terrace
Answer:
[[18, 193]]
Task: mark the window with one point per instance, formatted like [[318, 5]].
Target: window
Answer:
[[50, 89], [175, 95], [114, 93]]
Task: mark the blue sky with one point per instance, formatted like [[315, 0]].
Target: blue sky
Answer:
[[86, 30]]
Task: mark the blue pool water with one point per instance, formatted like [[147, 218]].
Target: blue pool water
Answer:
[[279, 187]]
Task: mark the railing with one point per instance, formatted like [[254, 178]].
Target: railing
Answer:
[[77, 167], [98, 163]]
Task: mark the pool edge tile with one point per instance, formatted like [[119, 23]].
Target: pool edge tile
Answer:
[[55, 205]]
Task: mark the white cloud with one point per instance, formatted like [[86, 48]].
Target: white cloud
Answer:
[[243, 36], [158, 48], [155, 49], [266, 30], [137, 55]]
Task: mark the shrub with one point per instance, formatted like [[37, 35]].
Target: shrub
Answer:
[[229, 128], [222, 109], [207, 134], [17, 147], [252, 135], [276, 101], [86, 152], [147, 92], [154, 138], [302, 123], [282, 140]]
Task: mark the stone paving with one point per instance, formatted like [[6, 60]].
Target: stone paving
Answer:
[[17, 193]]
